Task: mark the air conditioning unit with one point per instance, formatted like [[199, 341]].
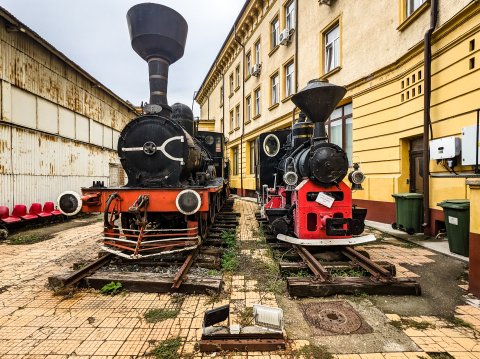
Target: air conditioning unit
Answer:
[[284, 37], [256, 69]]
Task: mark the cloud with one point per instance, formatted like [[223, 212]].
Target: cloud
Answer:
[[94, 34]]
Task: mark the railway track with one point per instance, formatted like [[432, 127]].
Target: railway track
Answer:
[[145, 278], [340, 270]]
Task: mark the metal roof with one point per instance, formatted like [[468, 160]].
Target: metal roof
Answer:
[[15, 23]]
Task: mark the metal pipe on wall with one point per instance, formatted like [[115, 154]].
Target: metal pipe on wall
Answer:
[[427, 123], [243, 110], [296, 47]]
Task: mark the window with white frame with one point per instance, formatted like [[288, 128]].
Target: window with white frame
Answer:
[[339, 128], [237, 116], [332, 49], [248, 63], [231, 84], [257, 101], [412, 5], [257, 52], [235, 161], [289, 79], [275, 27], [237, 76], [221, 95], [290, 15], [275, 89], [248, 108], [232, 118], [252, 157]]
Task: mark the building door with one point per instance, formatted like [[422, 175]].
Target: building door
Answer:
[[416, 165]]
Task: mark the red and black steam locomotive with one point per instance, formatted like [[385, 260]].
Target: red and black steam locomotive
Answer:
[[302, 192], [176, 181]]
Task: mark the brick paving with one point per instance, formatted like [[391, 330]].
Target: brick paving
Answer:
[[35, 323]]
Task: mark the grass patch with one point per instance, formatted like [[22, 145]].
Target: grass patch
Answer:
[[312, 351], [406, 244], [404, 323], [111, 288], [300, 274], [457, 322], [215, 297], [245, 317], [28, 239], [229, 259], [348, 272], [167, 349], [177, 299], [158, 315], [213, 273]]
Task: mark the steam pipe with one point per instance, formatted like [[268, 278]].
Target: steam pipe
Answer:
[[158, 71], [427, 123]]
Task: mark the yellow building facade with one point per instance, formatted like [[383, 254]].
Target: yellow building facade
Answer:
[[376, 50]]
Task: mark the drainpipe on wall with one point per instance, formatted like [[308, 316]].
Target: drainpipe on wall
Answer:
[[427, 122], [296, 46], [243, 110]]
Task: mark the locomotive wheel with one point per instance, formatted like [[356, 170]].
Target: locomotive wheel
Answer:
[[212, 210], [202, 227]]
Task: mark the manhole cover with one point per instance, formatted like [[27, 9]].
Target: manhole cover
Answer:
[[330, 318]]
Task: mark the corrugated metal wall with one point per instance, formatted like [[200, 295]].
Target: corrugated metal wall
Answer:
[[37, 167], [58, 129]]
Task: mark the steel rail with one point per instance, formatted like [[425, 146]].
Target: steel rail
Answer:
[[370, 266], [180, 276], [318, 270]]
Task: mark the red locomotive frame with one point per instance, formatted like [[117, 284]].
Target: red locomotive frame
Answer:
[[144, 242]]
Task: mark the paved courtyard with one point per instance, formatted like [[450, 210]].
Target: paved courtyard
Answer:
[[37, 323]]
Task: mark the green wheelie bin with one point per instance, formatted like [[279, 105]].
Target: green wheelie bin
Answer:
[[457, 222], [409, 212]]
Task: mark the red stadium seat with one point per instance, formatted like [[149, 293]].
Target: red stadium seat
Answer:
[[20, 210], [49, 207], [5, 216], [36, 209]]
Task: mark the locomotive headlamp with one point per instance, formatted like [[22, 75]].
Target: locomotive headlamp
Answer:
[[69, 203], [356, 177], [188, 202], [290, 178]]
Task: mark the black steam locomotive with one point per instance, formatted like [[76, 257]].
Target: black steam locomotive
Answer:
[[301, 188], [175, 173]]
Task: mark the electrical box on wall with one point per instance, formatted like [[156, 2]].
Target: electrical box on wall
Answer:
[[469, 145], [444, 148]]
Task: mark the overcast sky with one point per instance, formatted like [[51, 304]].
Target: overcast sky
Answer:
[[94, 34]]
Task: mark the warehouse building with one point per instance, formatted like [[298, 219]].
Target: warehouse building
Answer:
[[59, 126], [275, 47]]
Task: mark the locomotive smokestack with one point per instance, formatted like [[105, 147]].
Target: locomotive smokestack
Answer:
[[318, 99], [158, 34]]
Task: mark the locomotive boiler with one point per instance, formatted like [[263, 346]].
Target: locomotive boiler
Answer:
[[175, 173], [308, 202]]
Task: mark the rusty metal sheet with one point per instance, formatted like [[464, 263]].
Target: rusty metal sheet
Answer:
[[24, 108], [5, 149], [6, 190], [47, 116]]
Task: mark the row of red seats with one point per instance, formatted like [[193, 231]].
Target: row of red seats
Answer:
[[19, 212]]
